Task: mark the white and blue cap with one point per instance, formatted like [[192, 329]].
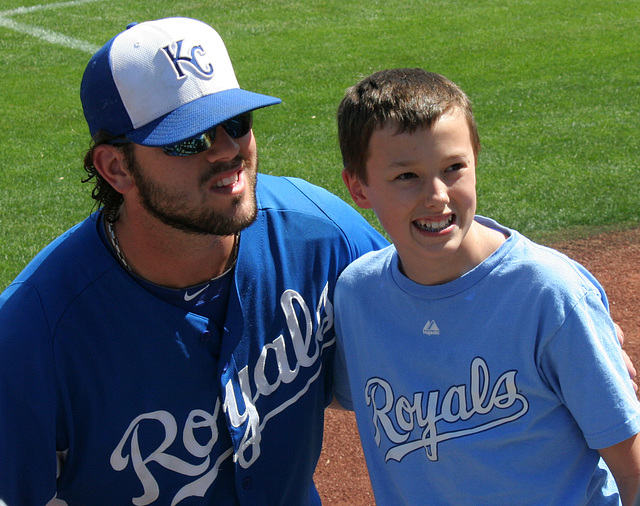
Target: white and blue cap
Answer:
[[162, 82]]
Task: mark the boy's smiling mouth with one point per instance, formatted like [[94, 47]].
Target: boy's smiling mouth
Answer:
[[434, 226]]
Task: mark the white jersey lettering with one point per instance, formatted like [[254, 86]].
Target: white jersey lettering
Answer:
[[272, 369], [274, 358], [120, 457], [397, 418]]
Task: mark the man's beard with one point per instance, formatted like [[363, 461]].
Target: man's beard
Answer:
[[170, 209]]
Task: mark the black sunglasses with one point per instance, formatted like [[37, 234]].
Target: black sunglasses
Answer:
[[236, 127]]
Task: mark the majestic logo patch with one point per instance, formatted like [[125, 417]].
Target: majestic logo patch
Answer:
[[195, 59], [431, 329]]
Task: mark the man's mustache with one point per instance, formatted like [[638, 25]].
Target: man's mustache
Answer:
[[239, 162]]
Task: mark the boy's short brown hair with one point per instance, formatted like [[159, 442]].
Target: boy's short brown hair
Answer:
[[411, 98]]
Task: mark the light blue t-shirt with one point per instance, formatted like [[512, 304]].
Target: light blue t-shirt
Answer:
[[495, 388]]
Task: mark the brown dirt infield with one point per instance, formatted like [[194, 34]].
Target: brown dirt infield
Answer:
[[614, 258]]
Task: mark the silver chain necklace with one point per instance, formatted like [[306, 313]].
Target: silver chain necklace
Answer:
[[116, 247]]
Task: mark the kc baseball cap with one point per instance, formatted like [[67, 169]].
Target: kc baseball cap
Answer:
[[162, 82]]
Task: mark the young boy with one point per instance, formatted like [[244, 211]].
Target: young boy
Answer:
[[483, 368]]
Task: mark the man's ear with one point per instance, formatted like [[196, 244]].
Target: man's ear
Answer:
[[356, 188], [111, 163]]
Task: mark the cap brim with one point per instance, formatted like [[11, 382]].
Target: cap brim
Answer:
[[199, 116]]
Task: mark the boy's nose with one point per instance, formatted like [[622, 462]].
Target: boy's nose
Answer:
[[436, 192]]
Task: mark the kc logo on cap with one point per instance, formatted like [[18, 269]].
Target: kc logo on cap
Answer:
[[161, 82], [177, 60]]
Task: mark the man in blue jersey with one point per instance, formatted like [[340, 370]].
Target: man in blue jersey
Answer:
[[175, 347]]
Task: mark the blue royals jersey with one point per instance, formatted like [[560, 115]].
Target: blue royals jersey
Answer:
[[110, 395]]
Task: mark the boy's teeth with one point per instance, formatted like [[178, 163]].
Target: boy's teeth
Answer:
[[435, 226], [227, 181]]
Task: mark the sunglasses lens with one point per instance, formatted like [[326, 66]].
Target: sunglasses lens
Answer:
[[191, 146], [236, 127], [239, 126]]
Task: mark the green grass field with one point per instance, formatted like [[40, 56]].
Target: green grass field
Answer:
[[555, 86]]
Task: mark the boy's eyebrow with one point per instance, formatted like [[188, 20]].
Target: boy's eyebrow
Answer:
[[408, 162], [403, 162], [457, 156]]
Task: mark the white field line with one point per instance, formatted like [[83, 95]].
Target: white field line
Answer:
[[43, 33]]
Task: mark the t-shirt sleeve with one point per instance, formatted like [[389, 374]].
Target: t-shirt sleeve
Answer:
[[583, 270], [341, 388], [584, 366]]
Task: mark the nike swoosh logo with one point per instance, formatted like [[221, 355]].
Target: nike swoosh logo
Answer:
[[190, 296]]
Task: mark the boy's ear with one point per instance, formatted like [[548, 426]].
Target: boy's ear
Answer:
[[356, 188], [111, 163]]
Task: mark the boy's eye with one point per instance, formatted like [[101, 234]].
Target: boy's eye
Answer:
[[454, 167], [406, 175]]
